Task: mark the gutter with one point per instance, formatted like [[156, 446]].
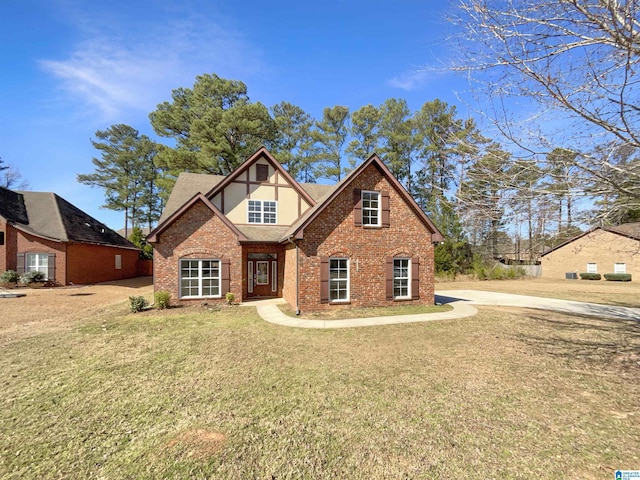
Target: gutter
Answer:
[[288, 239]]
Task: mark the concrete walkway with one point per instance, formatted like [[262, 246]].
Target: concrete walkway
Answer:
[[462, 302]]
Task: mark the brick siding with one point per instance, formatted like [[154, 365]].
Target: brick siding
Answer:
[[334, 234], [198, 233]]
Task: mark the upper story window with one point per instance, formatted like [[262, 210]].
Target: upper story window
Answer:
[[262, 211], [370, 208]]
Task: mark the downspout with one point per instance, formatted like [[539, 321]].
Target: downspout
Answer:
[[297, 275]]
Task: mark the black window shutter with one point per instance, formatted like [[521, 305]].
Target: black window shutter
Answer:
[[226, 276], [385, 208], [415, 278], [324, 279], [389, 278], [51, 267], [357, 207], [20, 266]]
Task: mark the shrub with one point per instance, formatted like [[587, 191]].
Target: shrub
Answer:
[[590, 276], [230, 297], [618, 277], [162, 299], [137, 304], [31, 277], [10, 276]]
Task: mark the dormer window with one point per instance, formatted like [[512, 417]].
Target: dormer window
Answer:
[[262, 211], [370, 208]]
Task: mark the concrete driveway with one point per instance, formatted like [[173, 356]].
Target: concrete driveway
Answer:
[[477, 297]]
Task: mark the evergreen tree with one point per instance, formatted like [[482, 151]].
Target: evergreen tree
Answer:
[[127, 173], [215, 127], [331, 134]]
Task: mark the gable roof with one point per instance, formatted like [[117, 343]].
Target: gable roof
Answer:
[[297, 229], [261, 153], [198, 197], [46, 215], [629, 230], [187, 185]]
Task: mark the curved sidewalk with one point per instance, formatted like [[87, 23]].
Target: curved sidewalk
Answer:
[[462, 302], [270, 312]]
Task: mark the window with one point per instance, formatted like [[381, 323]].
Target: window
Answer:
[[262, 211], [592, 268], [1, 238], [401, 278], [118, 262], [370, 208], [200, 278], [262, 172], [620, 268], [338, 279], [37, 262]]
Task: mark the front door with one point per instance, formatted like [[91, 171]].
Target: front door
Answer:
[[262, 276]]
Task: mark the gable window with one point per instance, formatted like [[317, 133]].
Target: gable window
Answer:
[[262, 211], [370, 208], [620, 268], [401, 278], [262, 172], [592, 268], [338, 279], [200, 278]]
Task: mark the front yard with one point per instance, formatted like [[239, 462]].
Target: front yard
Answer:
[[218, 393]]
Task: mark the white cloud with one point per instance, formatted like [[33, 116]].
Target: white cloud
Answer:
[[411, 80], [116, 72]]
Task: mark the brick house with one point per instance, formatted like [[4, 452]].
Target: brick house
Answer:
[[42, 231], [258, 233], [598, 250]]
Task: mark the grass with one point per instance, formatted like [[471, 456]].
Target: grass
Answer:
[[219, 393], [339, 313]]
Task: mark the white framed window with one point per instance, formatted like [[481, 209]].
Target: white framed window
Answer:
[[592, 268], [37, 262], [619, 268], [199, 278], [401, 278], [371, 208], [262, 211], [118, 262], [338, 279]]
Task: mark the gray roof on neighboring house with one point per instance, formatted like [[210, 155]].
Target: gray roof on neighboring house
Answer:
[[46, 215], [629, 229]]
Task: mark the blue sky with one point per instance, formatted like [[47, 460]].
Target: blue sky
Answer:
[[72, 67]]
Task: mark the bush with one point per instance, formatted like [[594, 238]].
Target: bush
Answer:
[[162, 300], [230, 297], [618, 277], [590, 276], [137, 304], [10, 276], [32, 277]]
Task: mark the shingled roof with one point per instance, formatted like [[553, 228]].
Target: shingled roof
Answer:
[[46, 215]]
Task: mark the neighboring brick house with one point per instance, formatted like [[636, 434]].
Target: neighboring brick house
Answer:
[[42, 231], [598, 250], [258, 233]]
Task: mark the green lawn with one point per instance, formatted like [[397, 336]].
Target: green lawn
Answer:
[[197, 393]]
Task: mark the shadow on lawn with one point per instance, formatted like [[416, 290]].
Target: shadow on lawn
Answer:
[[584, 337]]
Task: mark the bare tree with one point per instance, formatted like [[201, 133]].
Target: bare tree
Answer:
[[10, 177], [560, 74]]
